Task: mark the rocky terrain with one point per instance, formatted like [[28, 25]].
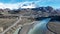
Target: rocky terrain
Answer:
[[38, 11], [9, 17]]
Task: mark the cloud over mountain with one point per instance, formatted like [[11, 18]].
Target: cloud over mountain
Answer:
[[18, 5], [30, 4]]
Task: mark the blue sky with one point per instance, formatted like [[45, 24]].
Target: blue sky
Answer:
[[53, 3], [9, 1], [14, 1]]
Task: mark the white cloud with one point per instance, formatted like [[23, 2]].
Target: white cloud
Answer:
[[11, 6], [30, 4], [17, 5]]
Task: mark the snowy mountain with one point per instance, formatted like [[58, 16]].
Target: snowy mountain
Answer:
[[28, 5]]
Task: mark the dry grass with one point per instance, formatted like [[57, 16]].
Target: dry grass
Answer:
[[5, 23], [23, 21], [54, 26]]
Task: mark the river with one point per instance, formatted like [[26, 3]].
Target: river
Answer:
[[38, 28]]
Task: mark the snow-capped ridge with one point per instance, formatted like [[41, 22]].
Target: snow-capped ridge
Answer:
[[18, 5], [28, 5]]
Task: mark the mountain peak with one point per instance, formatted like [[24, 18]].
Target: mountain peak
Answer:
[[28, 5]]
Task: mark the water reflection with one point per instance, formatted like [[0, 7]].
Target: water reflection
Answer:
[[39, 28]]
